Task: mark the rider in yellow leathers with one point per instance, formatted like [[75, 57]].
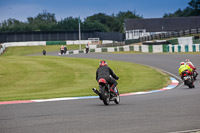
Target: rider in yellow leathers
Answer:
[[184, 67]]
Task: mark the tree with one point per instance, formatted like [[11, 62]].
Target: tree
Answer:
[[121, 16], [47, 22], [112, 22], [43, 21], [94, 26], [69, 23], [100, 19], [12, 25], [192, 10], [194, 4]]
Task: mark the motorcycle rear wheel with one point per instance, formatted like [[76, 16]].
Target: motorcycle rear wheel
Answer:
[[190, 84], [105, 95]]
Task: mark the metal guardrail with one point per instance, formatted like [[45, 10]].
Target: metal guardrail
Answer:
[[170, 34], [2, 48]]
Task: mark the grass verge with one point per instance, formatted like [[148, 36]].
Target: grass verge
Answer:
[[25, 50], [42, 77]]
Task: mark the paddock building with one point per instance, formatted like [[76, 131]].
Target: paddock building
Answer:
[[136, 28]]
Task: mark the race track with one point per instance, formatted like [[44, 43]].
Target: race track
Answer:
[[162, 112]]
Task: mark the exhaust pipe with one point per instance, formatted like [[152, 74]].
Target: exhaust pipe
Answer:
[[96, 91]]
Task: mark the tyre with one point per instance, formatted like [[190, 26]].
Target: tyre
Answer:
[[117, 100], [105, 95], [190, 85], [194, 76]]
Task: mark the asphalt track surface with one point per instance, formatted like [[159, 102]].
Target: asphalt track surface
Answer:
[[162, 112]]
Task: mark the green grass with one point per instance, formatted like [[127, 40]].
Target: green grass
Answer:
[[25, 50], [41, 77]]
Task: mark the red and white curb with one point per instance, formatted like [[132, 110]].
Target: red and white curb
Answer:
[[173, 84]]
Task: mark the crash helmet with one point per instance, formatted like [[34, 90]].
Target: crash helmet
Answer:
[[182, 63], [102, 63], [187, 60]]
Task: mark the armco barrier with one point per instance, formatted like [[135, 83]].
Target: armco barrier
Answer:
[[78, 42], [2, 48], [184, 48], [1, 51], [14, 44], [145, 49], [138, 48]]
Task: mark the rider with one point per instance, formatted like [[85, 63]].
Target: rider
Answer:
[[184, 67], [104, 72], [87, 47], [190, 64]]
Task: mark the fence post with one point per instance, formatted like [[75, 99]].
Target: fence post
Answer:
[[186, 48], [150, 48], [179, 48], [165, 48], [173, 48], [194, 48], [168, 48]]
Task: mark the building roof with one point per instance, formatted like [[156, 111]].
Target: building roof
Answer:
[[163, 24]]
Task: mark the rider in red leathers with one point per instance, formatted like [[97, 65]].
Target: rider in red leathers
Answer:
[[106, 72]]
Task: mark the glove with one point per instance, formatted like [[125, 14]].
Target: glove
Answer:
[[117, 78]]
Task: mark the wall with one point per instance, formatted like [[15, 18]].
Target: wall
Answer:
[[2, 48], [139, 48], [146, 49], [59, 36]]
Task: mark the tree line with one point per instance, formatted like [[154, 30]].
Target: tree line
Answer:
[[193, 9], [46, 21]]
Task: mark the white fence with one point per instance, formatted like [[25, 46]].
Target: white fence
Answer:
[[139, 48]]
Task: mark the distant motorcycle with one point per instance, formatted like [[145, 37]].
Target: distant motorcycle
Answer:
[[87, 50], [105, 94], [188, 79]]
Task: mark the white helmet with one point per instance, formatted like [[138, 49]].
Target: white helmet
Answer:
[[187, 60], [182, 63]]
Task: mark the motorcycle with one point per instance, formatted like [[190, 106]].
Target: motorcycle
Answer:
[[105, 94], [188, 79]]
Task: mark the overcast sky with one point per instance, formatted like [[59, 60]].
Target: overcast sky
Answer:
[[21, 9]]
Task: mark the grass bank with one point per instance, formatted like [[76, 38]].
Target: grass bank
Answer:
[[25, 50], [41, 77]]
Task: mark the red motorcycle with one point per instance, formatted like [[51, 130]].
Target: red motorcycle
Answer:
[[105, 94], [188, 79]]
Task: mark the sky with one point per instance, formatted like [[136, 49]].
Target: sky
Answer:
[[22, 9]]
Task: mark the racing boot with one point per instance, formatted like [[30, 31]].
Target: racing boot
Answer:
[[113, 91]]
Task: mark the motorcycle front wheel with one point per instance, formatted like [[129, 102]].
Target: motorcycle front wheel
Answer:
[[117, 100], [190, 84]]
